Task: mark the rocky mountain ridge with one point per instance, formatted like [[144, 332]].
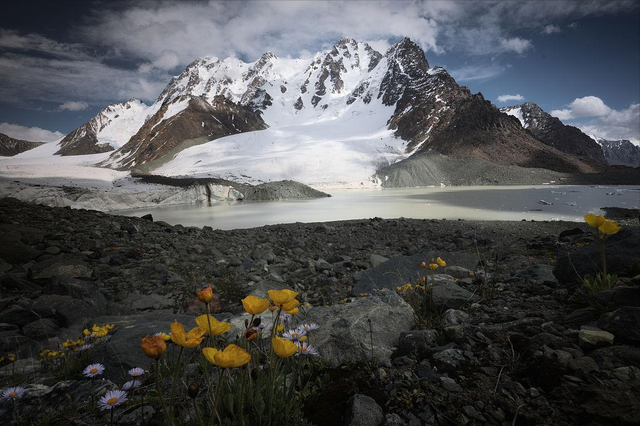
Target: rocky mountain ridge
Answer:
[[406, 105], [553, 132], [10, 146], [620, 152]]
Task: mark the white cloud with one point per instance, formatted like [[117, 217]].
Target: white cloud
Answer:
[[74, 106], [550, 29], [32, 134], [509, 98], [622, 124], [604, 122], [476, 72], [573, 25], [589, 106], [516, 44]]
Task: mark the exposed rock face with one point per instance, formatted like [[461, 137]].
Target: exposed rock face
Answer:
[[184, 119], [104, 132], [620, 152], [10, 146], [552, 132]]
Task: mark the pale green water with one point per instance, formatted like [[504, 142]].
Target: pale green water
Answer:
[[469, 203]]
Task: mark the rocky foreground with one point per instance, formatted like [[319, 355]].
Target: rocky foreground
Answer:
[[505, 340]]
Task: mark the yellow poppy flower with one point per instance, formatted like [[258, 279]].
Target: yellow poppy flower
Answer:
[[232, 356], [255, 306], [609, 227], [290, 305], [280, 328], [187, 340], [283, 348], [441, 262], [282, 297], [292, 311], [593, 220], [164, 336], [433, 266], [217, 327]]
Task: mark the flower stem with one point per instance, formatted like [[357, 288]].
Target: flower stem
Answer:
[[173, 383], [162, 403]]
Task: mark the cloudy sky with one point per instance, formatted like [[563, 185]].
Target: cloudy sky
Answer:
[[62, 62]]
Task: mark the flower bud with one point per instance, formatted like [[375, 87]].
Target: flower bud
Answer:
[[193, 390]]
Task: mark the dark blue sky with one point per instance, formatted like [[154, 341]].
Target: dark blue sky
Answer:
[[62, 62]]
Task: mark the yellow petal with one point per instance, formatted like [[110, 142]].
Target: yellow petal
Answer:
[[441, 262], [232, 356], [609, 227], [209, 354], [255, 306], [178, 336], [281, 297], [593, 220], [283, 348]]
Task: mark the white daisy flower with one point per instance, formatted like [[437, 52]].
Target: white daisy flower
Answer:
[[131, 384], [309, 327], [84, 348], [136, 372], [294, 334], [93, 370], [284, 318], [306, 349], [13, 393], [112, 399]]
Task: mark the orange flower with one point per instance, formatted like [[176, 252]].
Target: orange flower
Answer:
[[187, 340], [441, 262], [423, 264], [255, 306], [250, 335], [283, 348], [205, 295], [153, 346], [423, 279], [282, 297], [217, 327]]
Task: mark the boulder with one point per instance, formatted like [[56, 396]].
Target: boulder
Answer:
[[15, 252], [61, 266], [41, 329], [621, 251], [446, 294], [363, 410], [146, 302], [400, 270], [454, 317], [344, 333], [17, 315], [623, 323], [419, 341], [538, 274], [123, 352], [66, 309], [620, 296], [594, 338]]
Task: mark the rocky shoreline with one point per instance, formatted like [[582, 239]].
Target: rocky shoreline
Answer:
[[505, 343]]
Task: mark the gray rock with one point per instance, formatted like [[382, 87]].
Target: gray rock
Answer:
[[14, 251], [24, 366], [123, 352], [623, 323], [41, 329], [583, 363], [594, 338], [146, 302], [78, 289], [582, 316], [419, 341], [622, 257], [620, 296], [377, 260], [448, 360], [19, 285], [363, 410], [13, 341], [264, 254], [536, 274], [616, 356], [454, 317], [400, 270], [450, 385], [66, 309], [61, 266], [344, 328], [394, 420], [322, 265], [19, 316], [457, 271], [446, 294]]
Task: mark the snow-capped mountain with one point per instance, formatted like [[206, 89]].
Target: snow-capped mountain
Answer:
[[335, 118], [10, 146], [619, 152], [110, 129], [553, 132]]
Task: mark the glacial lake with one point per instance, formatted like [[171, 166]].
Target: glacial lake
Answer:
[[569, 203]]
